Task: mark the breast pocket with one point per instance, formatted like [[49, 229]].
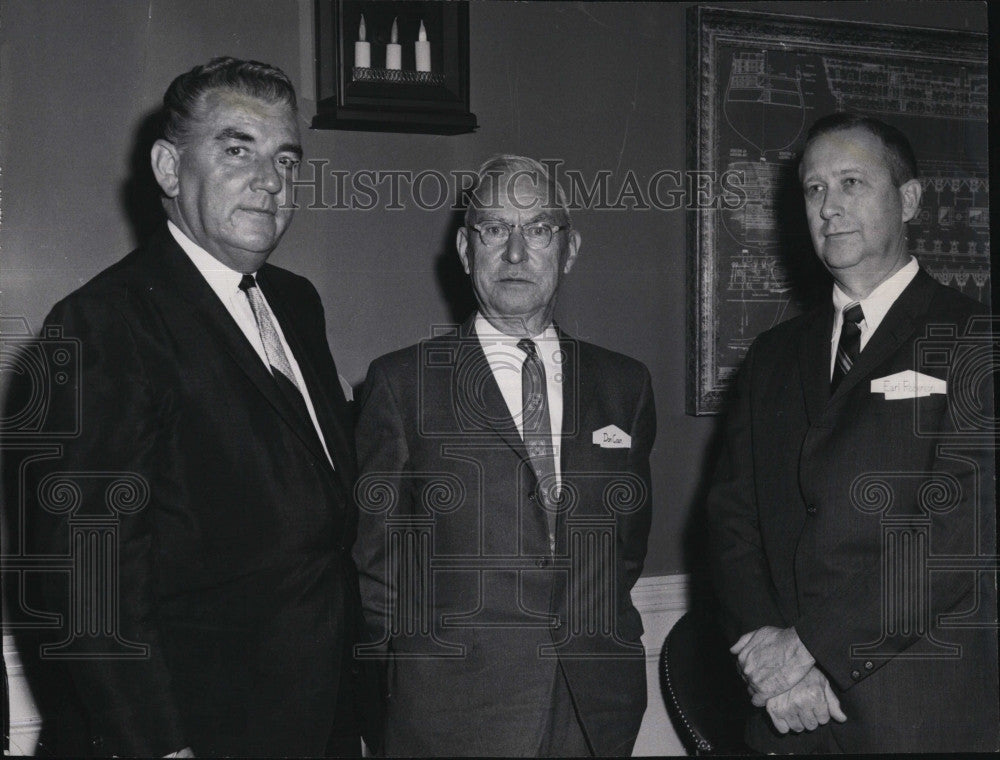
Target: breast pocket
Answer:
[[911, 417]]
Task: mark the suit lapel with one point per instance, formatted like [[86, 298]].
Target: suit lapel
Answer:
[[477, 390], [578, 389], [894, 329], [484, 393], [329, 421], [814, 362], [575, 395], [180, 274]]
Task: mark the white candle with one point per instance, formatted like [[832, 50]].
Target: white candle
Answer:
[[362, 48], [394, 51], [422, 49]]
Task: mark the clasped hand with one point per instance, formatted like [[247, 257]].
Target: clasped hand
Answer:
[[781, 675]]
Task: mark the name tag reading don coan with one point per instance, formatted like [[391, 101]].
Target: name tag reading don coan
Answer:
[[612, 437]]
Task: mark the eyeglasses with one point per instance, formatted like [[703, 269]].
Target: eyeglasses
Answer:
[[536, 235]]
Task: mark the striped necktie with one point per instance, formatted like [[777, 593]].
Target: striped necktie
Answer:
[[849, 346]]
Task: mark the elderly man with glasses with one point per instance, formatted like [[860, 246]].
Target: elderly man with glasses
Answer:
[[505, 506]]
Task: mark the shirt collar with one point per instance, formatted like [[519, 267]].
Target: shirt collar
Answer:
[[489, 335], [222, 279], [879, 301]]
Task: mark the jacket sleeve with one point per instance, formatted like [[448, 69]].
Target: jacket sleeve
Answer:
[[739, 567], [382, 459], [947, 500], [105, 476], [634, 527]]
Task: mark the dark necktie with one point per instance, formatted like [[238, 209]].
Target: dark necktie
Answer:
[[849, 346], [537, 427]]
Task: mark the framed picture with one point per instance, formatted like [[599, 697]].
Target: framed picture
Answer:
[[393, 66], [756, 83]]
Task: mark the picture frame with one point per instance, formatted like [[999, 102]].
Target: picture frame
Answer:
[[381, 97], [756, 82]]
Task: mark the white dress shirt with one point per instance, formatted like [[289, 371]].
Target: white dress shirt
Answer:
[[875, 306], [226, 284], [507, 360]]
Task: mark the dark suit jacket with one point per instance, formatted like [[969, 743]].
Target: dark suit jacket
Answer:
[[236, 570], [825, 510], [457, 580]]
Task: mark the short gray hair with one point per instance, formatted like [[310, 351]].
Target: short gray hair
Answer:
[[512, 167]]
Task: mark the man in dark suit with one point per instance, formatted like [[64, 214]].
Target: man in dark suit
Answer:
[[504, 497], [853, 511], [214, 434]]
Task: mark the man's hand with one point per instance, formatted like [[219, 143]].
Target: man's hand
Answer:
[[772, 661], [807, 705]]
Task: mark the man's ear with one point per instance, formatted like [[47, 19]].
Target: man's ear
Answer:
[[573, 241], [462, 244], [909, 195], [165, 159]]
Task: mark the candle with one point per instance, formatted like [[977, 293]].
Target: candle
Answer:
[[422, 49], [394, 51], [362, 48]]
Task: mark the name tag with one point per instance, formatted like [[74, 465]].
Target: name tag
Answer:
[[908, 384], [612, 437]]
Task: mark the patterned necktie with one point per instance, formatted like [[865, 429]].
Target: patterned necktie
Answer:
[[849, 346], [275, 352], [537, 429], [281, 368]]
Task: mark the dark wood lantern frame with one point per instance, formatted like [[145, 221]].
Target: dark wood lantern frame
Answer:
[[381, 100]]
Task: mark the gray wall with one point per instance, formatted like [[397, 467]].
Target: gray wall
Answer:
[[600, 86]]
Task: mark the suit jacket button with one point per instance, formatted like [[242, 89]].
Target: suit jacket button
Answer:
[[531, 496], [542, 562], [811, 509], [869, 665], [855, 674]]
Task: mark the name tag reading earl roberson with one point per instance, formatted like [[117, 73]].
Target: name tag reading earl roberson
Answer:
[[612, 437], [908, 384]]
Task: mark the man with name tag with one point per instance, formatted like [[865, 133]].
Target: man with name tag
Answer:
[[208, 381], [504, 497], [852, 515]]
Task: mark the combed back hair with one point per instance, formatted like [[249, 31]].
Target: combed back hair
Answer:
[[504, 173], [183, 98], [899, 155]]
